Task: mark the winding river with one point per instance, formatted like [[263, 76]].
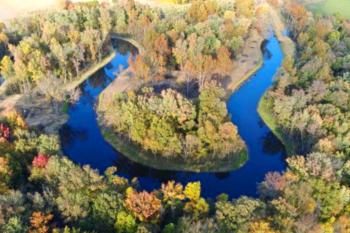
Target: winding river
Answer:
[[83, 143]]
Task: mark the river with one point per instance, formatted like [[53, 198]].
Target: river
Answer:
[[83, 143]]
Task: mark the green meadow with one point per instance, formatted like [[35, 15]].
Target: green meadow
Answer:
[[328, 7]]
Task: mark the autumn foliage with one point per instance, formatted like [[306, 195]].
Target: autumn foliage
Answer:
[[4, 131], [145, 206], [40, 161], [39, 222]]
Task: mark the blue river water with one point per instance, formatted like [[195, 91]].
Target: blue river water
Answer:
[[83, 143]]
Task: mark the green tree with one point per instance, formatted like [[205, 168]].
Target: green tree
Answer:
[[125, 223]]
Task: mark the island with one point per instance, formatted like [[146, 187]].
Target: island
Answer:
[[174, 116]]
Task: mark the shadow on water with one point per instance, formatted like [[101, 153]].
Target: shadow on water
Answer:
[[83, 143], [272, 145]]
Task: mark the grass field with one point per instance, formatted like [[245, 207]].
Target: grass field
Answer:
[[328, 7]]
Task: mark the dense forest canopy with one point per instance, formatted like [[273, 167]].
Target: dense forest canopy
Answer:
[[42, 191], [311, 102], [171, 125], [59, 45]]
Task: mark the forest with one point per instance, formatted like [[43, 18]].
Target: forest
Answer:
[[42, 191], [311, 102], [192, 58], [175, 127]]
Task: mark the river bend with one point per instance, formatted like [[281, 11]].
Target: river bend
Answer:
[[83, 142]]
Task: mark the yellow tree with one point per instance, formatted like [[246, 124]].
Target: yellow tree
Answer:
[[196, 205], [245, 8], [260, 227], [6, 67]]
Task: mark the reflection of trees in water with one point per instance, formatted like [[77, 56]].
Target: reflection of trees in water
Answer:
[[98, 79], [123, 47], [272, 145], [266, 53], [132, 169], [69, 134], [222, 175]]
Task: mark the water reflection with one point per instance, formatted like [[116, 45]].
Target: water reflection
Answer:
[[69, 134], [271, 144]]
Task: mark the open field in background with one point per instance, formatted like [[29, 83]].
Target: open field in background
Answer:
[[14, 8], [329, 7]]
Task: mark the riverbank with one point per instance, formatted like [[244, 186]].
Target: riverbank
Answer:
[[39, 112], [247, 63], [90, 71], [265, 104], [264, 110], [138, 155], [96, 67]]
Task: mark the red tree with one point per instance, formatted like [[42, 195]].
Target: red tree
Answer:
[[40, 161], [4, 131]]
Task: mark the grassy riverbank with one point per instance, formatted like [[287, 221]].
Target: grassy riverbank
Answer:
[[264, 110], [137, 154]]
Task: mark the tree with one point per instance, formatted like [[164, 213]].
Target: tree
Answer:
[[260, 227], [144, 206], [40, 161], [141, 68], [193, 191], [172, 192], [298, 16], [6, 67], [125, 223], [196, 205], [201, 68], [224, 61], [15, 225], [39, 222], [236, 216], [93, 41], [200, 10], [105, 22], [245, 8]]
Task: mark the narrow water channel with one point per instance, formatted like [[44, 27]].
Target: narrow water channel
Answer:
[[83, 143]]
